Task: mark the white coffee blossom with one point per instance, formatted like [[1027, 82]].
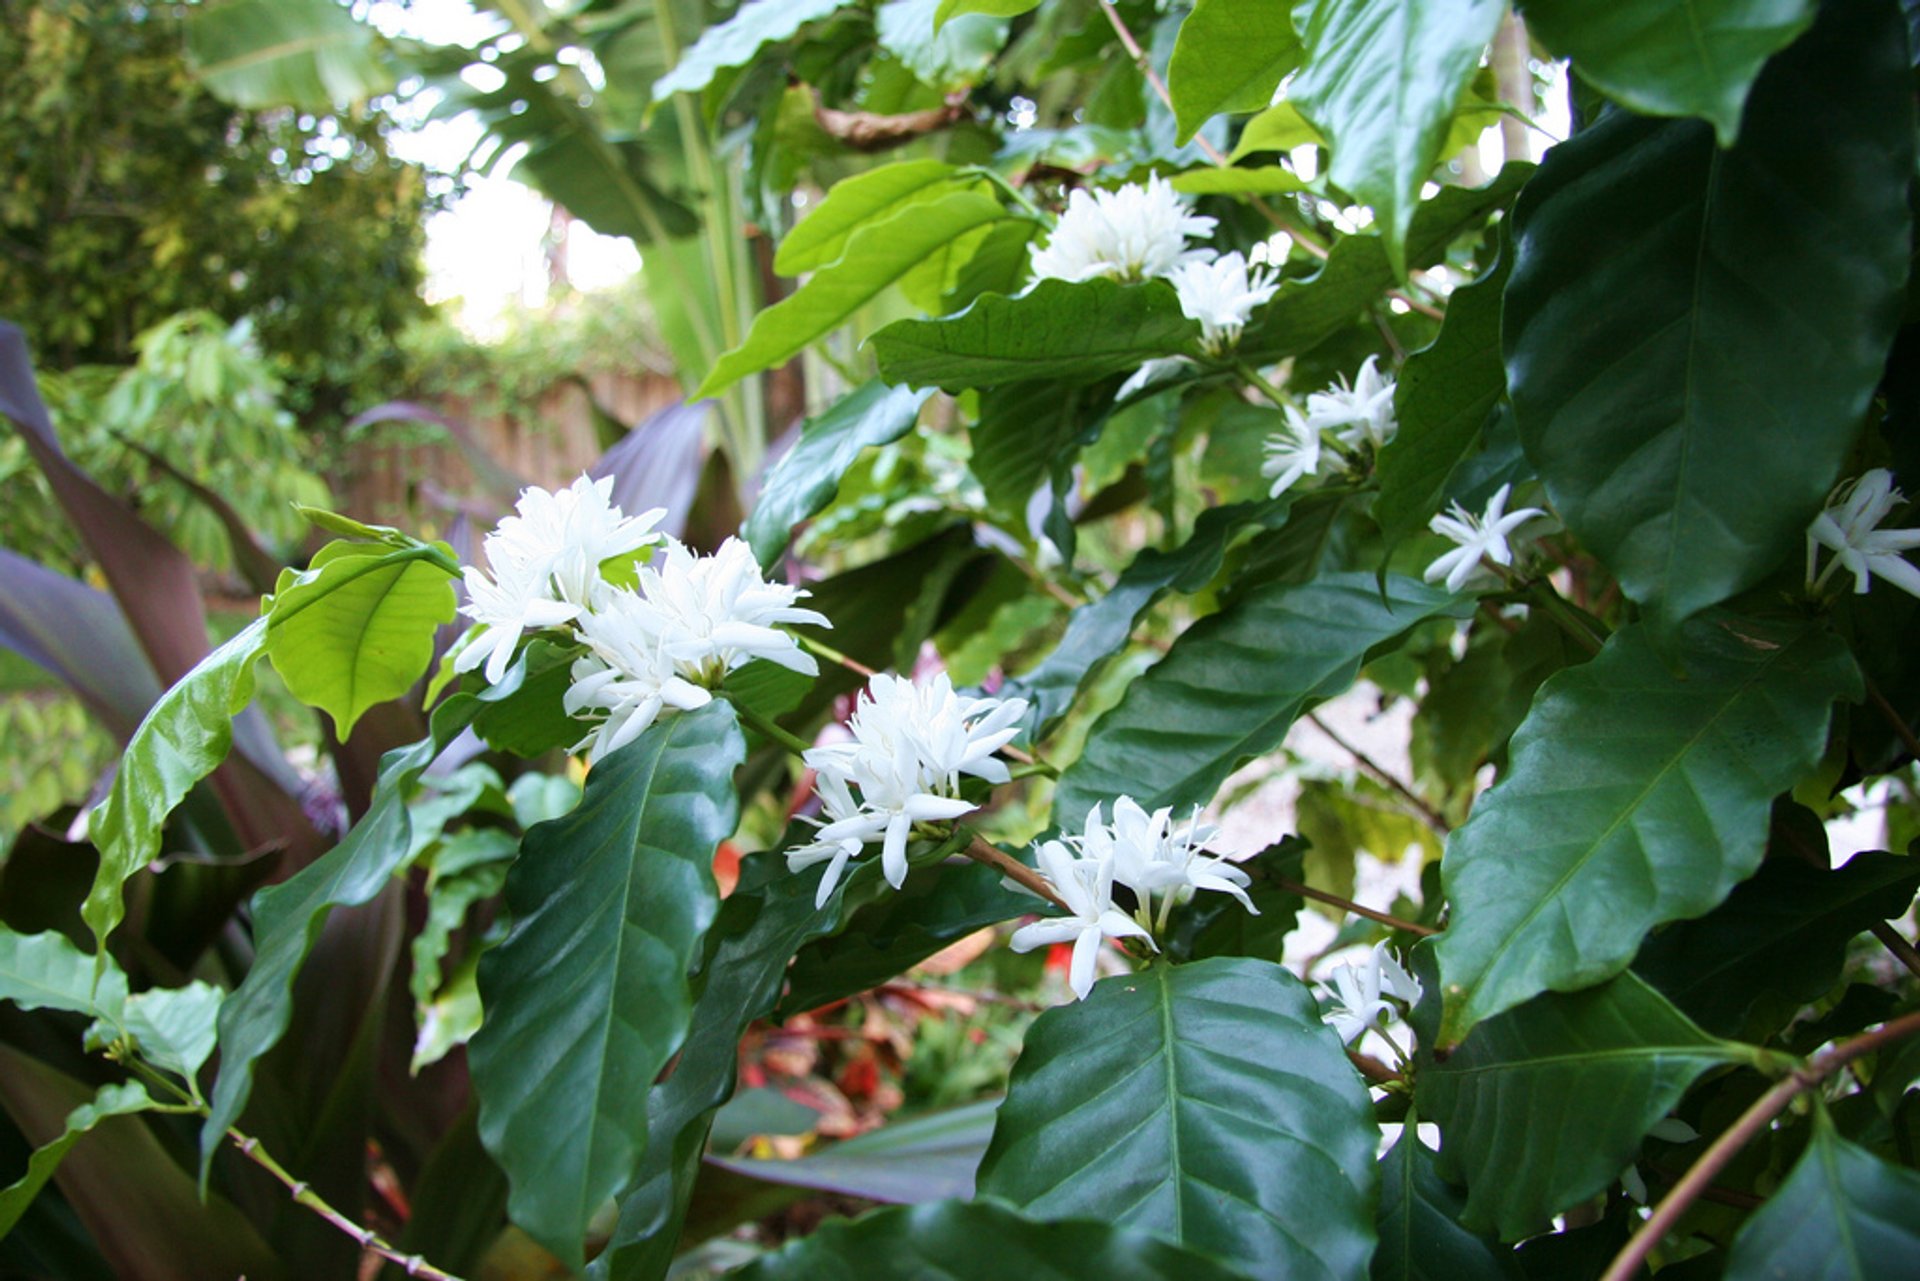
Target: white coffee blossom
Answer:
[[1292, 454], [1130, 234], [1156, 370], [910, 745], [1152, 856], [1222, 294], [1085, 885], [545, 561], [625, 675], [1361, 992], [1479, 537], [1850, 529], [1358, 413]]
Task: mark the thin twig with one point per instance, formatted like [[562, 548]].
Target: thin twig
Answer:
[[981, 851], [1903, 951], [412, 1264], [1900, 727], [1334, 900], [1752, 1122], [1435, 819], [833, 655]]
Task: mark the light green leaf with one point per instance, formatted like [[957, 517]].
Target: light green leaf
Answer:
[[587, 997], [174, 1028], [1097, 631], [182, 740], [853, 203], [312, 54], [356, 628], [1420, 1234], [877, 254], [734, 43], [1672, 57], [1733, 311], [951, 9], [1842, 1215], [1445, 393], [1634, 797], [1234, 683], [1381, 79], [1266, 180], [112, 1100], [1543, 1106], [806, 480], [1230, 55], [46, 972], [1280, 127], [1072, 333], [1204, 1103], [470, 866], [943, 55], [972, 1241], [287, 917]]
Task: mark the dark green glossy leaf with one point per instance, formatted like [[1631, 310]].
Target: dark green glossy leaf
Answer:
[[1778, 941], [734, 43], [112, 1100], [1672, 57], [1381, 80], [312, 54], [1842, 1215], [1217, 925], [1420, 1234], [1097, 631], [852, 203], [183, 738], [925, 1158], [977, 1241], [760, 926], [357, 627], [1634, 798], [533, 720], [1731, 309], [808, 477], [1230, 56], [587, 998], [877, 254], [1234, 683], [1543, 1106], [287, 918], [1445, 393], [1025, 431], [1070, 333], [890, 936], [1205, 1103]]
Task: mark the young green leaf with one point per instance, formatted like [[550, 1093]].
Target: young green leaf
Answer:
[[1230, 55], [806, 479], [312, 54], [877, 254], [46, 972], [1661, 58], [112, 1100], [735, 42], [946, 56], [1843, 1214], [1204, 1103], [856, 202], [587, 997], [1381, 79], [1634, 798], [182, 740], [174, 1028], [1543, 1106], [1733, 310], [951, 9], [356, 628], [1234, 683]]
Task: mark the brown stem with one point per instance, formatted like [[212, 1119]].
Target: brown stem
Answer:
[[1435, 819], [1902, 950], [980, 851], [1900, 727], [412, 1264], [1373, 1069], [1334, 900], [868, 131], [1694, 1183]]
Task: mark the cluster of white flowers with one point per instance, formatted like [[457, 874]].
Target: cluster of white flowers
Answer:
[[1359, 414], [1162, 863], [1139, 233], [665, 643], [1850, 529], [1480, 538], [910, 744], [1363, 994]]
